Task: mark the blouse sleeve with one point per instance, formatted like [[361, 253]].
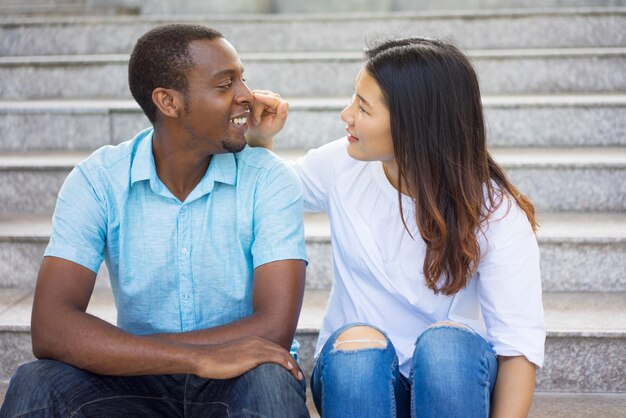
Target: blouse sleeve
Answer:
[[317, 169], [509, 286]]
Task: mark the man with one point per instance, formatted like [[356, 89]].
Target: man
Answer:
[[203, 241]]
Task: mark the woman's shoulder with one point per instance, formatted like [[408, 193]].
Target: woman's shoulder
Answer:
[[330, 159], [503, 215]]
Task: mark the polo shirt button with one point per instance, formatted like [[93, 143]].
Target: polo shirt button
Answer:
[[184, 251]]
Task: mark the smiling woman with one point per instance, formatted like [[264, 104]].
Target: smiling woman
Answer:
[[368, 123], [436, 303]]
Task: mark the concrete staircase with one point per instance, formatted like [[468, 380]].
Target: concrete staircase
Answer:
[[554, 89]]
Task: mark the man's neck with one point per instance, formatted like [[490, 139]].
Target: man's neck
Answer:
[[179, 168]]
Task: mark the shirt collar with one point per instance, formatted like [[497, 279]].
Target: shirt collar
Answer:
[[143, 161], [222, 169]]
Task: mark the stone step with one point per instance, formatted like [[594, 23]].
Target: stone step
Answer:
[[580, 179], [545, 404], [303, 6], [195, 7], [579, 251], [512, 121], [64, 9], [478, 29], [585, 347], [515, 71]]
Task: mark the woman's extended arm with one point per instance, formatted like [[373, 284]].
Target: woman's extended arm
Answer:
[[514, 389]]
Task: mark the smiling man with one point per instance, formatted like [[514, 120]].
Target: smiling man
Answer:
[[204, 244]]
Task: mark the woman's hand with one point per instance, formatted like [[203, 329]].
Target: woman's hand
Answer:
[[268, 115]]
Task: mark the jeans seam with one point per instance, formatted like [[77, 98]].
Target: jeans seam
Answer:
[[487, 365], [392, 390], [185, 396], [34, 410], [73, 413]]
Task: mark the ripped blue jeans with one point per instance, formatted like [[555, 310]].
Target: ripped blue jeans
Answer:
[[453, 375]]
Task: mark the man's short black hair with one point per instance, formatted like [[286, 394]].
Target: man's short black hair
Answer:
[[161, 58]]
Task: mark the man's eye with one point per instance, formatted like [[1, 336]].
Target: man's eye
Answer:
[[226, 86]]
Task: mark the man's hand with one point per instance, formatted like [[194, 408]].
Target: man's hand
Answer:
[[267, 117], [235, 358]]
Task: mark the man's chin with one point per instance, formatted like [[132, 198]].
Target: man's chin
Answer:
[[234, 146]]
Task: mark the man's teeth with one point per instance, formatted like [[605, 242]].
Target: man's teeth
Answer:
[[238, 121]]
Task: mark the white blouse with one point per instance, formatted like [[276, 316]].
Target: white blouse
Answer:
[[378, 267]]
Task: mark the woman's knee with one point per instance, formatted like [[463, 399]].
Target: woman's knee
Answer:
[[360, 337], [442, 342], [360, 355], [447, 347]]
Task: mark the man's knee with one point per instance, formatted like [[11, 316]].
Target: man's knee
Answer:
[[268, 373], [360, 337], [269, 390], [34, 387], [40, 374]]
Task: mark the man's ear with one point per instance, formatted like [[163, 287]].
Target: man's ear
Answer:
[[169, 102]]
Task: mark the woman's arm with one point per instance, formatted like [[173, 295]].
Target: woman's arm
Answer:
[[268, 114], [514, 389]]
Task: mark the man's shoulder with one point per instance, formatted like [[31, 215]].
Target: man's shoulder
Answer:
[[110, 156], [257, 157]]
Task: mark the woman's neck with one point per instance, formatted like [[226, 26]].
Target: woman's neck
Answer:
[[392, 173]]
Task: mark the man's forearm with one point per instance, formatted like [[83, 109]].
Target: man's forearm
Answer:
[[276, 302], [92, 344], [276, 330]]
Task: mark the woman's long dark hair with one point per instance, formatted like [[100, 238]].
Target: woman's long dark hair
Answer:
[[439, 140]]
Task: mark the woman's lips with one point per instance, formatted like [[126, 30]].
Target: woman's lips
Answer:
[[352, 139]]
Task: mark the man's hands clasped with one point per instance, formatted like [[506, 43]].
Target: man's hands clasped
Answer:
[[235, 358]]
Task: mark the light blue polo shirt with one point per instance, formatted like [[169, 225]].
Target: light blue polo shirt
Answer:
[[177, 267]]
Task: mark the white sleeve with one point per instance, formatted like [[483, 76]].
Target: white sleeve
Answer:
[[509, 286], [317, 170]]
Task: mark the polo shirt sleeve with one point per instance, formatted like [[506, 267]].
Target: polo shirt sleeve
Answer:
[[510, 286], [278, 225], [78, 223]]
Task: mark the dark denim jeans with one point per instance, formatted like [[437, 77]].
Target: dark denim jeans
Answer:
[[47, 388], [453, 375]]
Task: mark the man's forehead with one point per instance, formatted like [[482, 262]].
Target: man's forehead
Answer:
[[217, 56]]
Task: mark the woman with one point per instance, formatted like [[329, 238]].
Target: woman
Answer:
[[436, 304]]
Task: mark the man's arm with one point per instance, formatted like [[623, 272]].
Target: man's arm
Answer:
[[62, 330]]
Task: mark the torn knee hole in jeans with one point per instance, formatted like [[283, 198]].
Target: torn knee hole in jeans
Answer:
[[450, 324], [359, 344]]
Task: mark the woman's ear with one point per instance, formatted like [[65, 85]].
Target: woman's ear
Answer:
[[168, 101]]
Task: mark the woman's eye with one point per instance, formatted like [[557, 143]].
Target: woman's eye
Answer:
[[362, 110]]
